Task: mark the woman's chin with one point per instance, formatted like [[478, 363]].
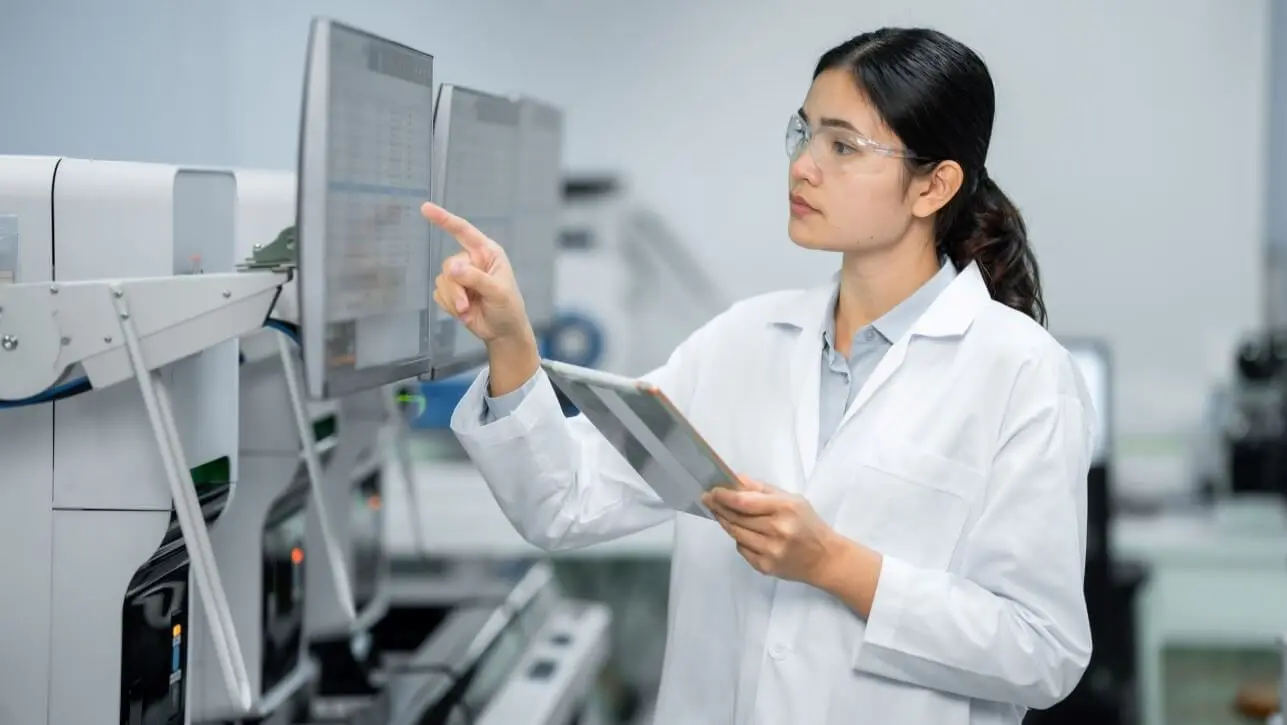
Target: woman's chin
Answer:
[[805, 235]]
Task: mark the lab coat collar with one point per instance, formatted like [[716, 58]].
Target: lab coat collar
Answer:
[[949, 315]]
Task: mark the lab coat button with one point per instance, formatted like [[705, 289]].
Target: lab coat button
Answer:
[[778, 651]]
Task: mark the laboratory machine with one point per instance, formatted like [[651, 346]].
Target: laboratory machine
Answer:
[[630, 290], [444, 639], [259, 544], [364, 293], [1245, 430], [119, 433], [196, 447]]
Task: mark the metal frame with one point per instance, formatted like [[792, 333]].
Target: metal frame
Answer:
[[316, 477]]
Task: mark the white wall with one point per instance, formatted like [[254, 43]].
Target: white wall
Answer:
[[1132, 134]]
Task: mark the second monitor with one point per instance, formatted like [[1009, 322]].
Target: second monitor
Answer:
[[497, 163]]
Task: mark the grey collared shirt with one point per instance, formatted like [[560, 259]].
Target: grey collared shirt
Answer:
[[841, 378]]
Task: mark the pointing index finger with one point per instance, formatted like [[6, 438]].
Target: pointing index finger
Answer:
[[464, 232]]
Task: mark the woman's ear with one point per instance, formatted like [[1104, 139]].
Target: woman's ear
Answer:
[[935, 189]]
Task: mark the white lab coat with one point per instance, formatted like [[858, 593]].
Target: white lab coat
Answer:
[[963, 460]]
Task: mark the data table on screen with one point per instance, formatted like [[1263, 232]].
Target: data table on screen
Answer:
[[379, 175]]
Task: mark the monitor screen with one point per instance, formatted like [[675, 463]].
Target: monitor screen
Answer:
[[476, 147], [540, 203], [365, 167]]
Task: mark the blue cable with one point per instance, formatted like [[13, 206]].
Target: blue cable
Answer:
[[286, 328], [58, 392], [82, 385]]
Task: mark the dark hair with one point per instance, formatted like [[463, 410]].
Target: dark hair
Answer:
[[937, 95]]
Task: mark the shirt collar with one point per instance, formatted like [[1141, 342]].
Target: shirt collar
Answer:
[[950, 300], [898, 321]]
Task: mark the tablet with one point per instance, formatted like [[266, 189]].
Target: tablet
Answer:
[[649, 431]]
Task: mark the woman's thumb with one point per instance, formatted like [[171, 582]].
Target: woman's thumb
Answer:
[[474, 279]]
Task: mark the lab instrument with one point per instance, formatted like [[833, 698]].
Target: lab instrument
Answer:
[[652, 434], [505, 646], [630, 289], [125, 350], [259, 543]]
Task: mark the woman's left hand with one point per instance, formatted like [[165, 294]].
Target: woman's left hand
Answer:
[[777, 532]]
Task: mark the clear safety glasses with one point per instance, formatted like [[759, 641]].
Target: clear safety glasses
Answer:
[[834, 149]]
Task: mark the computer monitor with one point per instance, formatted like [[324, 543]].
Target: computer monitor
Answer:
[[476, 168], [540, 206], [498, 163], [365, 167]]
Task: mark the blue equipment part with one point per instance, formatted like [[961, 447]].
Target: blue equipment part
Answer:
[[575, 338]]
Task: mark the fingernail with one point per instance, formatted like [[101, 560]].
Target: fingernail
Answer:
[[461, 304], [457, 267]]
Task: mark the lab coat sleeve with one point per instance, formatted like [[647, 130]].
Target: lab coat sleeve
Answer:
[[558, 480], [499, 407], [1012, 626]]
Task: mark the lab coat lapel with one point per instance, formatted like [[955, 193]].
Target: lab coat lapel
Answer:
[[885, 369], [806, 389], [949, 316], [803, 314]]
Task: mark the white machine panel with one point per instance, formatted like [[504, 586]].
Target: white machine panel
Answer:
[[100, 572], [27, 449], [116, 219]]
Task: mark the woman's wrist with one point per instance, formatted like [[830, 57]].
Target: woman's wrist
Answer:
[[850, 572], [512, 361]]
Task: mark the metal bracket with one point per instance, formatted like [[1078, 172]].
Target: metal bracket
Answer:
[[156, 398], [402, 452], [313, 464]]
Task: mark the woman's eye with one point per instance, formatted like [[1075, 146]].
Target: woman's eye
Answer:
[[840, 148]]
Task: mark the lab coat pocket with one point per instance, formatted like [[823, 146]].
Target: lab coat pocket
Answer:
[[908, 503]]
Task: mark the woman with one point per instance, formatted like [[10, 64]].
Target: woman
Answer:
[[908, 541]]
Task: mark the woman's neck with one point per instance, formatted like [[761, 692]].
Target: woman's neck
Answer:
[[873, 284]]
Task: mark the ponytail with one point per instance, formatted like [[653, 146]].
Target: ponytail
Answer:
[[989, 230]]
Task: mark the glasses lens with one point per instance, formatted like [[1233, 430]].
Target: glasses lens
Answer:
[[797, 134]]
